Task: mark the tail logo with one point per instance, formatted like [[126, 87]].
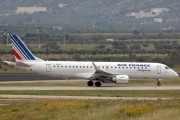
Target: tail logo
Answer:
[[20, 50]]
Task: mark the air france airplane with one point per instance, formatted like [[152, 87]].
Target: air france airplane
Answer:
[[101, 72]]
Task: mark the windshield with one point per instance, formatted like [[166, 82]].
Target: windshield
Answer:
[[166, 67]]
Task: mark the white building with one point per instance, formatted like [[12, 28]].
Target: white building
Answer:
[[153, 13], [159, 20], [30, 10], [159, 10], [110, 40], [62, 5], [57, 27]]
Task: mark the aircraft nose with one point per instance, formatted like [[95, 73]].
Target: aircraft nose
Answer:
[[175, 74]]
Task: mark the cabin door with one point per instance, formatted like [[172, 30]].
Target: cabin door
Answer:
[[48, 67], [158, 69]]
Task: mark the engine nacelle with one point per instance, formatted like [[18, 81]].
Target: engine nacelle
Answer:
[[120, 79]]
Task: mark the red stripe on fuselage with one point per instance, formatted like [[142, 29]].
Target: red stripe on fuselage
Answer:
[[17, 55]]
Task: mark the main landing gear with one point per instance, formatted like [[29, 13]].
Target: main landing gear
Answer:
[[97, 84], [90, 83], [158, 82]]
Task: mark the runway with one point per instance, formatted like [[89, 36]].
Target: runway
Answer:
[[24, 77], [32, 77], [88, 88]]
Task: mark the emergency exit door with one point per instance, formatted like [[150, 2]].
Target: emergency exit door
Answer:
[[158, 69], [48, 67]]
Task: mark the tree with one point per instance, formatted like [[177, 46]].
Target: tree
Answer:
[[119, 45], [52, 46], [101, 46], [77, 57], [135, 32], [136, 46]]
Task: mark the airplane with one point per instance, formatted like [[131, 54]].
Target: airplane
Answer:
[[101, 72]]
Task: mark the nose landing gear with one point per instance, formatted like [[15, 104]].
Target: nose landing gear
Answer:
[[158, 82]]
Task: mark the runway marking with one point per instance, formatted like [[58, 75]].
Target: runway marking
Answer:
[[79, 97]]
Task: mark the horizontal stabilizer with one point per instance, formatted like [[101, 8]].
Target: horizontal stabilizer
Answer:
[[10, 63]]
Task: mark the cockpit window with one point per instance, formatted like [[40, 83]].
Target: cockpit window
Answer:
[[166, 67]]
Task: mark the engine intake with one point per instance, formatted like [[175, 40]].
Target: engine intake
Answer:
[[120, 79]]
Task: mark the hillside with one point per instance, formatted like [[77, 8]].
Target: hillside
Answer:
[[90, 14]]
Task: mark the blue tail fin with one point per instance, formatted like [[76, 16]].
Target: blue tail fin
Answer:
[[21, 52]]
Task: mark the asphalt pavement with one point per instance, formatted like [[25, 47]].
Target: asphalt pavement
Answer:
[[24, 77]]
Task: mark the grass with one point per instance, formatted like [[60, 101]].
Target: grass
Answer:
[[38, 109]]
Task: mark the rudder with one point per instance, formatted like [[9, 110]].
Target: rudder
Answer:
[[21, 51]]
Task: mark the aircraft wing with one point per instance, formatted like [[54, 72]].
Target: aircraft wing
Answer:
[[100, 74]]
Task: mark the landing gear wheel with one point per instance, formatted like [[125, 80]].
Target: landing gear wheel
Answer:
[[97, 84], [159, 83], [90, 83]]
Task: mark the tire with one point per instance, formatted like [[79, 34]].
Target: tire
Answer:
[[90, 83], [98, 84], [159, 84]]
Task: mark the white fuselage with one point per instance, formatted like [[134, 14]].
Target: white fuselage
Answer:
[[74, 69]]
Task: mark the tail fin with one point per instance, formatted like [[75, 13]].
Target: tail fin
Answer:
[[21, 52]]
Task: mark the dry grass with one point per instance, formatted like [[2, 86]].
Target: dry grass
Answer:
[[38, 109]]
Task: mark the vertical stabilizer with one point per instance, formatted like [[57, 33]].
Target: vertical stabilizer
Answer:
[[21, 52]]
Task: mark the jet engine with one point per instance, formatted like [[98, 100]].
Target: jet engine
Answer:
[[120, 79]]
